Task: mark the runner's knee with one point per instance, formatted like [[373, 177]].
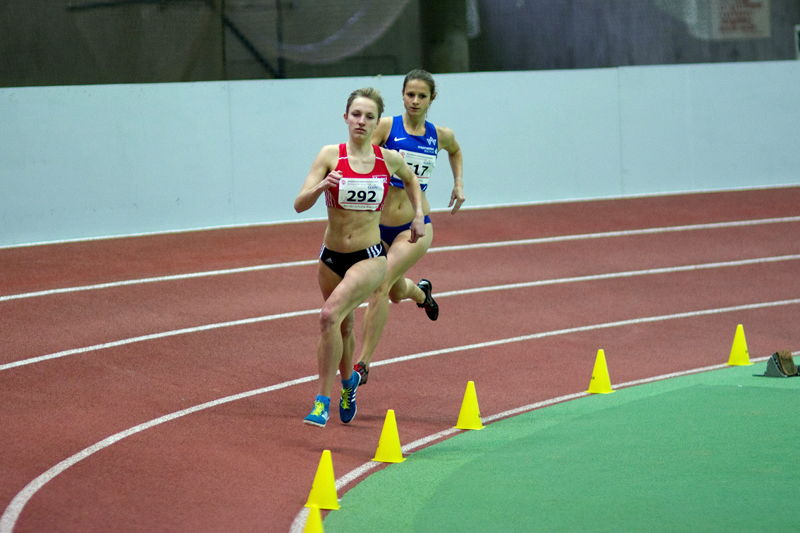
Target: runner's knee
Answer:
[[328, 318], [399, 291]]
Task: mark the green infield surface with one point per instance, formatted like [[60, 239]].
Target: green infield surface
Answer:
[[714, 451]]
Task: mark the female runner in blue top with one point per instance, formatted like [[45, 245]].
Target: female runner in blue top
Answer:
[[354, 177], [419, 141]]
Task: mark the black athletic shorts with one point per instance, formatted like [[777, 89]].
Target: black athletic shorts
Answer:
[[340, 263]]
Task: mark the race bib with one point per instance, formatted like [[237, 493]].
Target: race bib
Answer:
[[421, 164], [361, 194]]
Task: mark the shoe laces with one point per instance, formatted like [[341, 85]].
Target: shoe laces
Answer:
[[348, 395], [319, 408]]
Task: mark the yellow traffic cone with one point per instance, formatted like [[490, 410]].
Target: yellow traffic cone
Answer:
[[601, 382], [314, 521], [470, 415], [389, 444], [739, 356], [323, 490]]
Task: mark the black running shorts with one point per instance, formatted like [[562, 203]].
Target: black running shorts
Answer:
[[341, 263]]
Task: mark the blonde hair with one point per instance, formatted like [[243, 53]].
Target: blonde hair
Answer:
[[366, 92]]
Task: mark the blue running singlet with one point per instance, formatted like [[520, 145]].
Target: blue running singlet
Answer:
[[419, 151]]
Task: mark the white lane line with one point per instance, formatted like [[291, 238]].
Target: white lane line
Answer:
[[154, 336], [624, 274], [622, 233], [542, 240], [510, 286], [156, 279], [14, 509]]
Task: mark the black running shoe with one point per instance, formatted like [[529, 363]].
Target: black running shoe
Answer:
[[362, 369], [430, 305]]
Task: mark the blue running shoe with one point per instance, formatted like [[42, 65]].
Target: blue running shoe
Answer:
[[347, 405], [319, 413]]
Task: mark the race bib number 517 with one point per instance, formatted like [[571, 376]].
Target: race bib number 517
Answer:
[[421, 164]]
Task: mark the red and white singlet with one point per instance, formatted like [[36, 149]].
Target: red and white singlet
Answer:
[[359, 192]]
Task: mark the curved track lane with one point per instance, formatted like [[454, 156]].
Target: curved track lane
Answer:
[[132, 362]]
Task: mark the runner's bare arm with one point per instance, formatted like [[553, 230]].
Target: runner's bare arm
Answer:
[[320, 177], [447, 141]]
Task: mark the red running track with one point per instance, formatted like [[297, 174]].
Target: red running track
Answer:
[[131, 420]]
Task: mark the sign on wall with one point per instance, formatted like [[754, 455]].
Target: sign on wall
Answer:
[[720, 20], [740, 19]]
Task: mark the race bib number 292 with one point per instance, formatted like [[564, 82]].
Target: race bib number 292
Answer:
[[361, 194]]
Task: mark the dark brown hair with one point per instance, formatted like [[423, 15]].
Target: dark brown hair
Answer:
[[423, 75]]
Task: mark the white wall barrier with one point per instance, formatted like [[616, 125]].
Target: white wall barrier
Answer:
[[91, 161]]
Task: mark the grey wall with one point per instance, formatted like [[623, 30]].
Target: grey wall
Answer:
[[543, 34], [58, 42], [70, 42], [86, 161]]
